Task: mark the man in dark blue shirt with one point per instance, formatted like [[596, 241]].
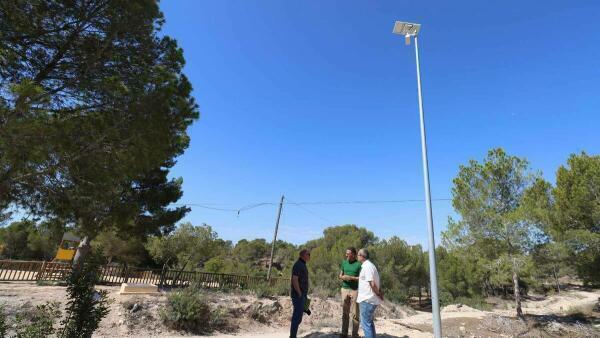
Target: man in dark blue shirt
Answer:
[[299, 290]]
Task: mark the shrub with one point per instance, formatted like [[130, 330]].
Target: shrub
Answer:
[[3, 327], [446, 298], [396, 295], [265, 290], [474, 302], [38, 322], [188, 310], [85, 307], [580, 312]]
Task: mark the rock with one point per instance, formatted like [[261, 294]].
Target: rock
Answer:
[[262, 312], [135, 308], [121, 322], [272, 308], [553, 327]]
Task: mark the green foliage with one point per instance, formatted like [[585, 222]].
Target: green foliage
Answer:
[[44, 241], [266, 291], [189, 310], [476, 302], [188, 246], [461, 273], [94, 108], [489, 197], [26, 240], [14, 240], [85, 306], [402, 267], [3, 324], [328, 252], [38, 322], [113, 247], [578, 213]]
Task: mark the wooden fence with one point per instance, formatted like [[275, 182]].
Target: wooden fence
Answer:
[[11, 270]]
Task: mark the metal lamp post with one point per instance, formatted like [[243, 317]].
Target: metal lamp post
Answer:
[[411, 30]]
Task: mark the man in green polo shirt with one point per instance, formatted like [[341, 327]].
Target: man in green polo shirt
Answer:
[[349, 271]]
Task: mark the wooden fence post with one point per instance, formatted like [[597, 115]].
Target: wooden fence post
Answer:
[[40, 273], [162, 278]]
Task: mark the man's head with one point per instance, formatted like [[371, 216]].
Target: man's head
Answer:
[[351, 254], [363, 255], [304, 255]]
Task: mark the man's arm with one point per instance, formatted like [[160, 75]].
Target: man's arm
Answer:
[[296, 285], [346, 277], [376, 289]]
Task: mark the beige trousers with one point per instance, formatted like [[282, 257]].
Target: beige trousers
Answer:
[[350, 309]]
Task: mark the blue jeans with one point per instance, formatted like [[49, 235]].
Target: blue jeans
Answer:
[[298, 303], [367, 314]]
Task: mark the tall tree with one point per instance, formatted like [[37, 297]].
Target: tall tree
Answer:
[[577, 223], [188, 246], [328, 252], [13, 240], [402, 267], [92, 102], [488, 197]]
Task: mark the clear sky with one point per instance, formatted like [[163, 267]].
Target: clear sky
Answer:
[[317, 100]]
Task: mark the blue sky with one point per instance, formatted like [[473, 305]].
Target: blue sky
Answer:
[[317, 100]]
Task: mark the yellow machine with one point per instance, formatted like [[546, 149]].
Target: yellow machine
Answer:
[[68, 247]]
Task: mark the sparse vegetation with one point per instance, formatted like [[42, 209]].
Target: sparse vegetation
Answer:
[[85, 306], [189, 310], [37, 322], [266, 290], [3, 324]]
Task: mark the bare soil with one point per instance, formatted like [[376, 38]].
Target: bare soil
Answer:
[[573, 313]]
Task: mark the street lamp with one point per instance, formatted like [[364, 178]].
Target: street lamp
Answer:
[[412, 30]]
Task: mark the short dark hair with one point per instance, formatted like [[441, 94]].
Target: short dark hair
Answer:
[[303, 252], [352, 249]]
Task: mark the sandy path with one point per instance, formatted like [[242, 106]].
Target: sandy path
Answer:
[[406, 327]]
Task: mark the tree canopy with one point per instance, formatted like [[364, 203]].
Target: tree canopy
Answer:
[[94, 108]]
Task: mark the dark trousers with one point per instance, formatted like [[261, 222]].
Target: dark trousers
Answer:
[[298, 303]]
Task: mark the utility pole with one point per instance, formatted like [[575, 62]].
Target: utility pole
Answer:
[[275, 238]]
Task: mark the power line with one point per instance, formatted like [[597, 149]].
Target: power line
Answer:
[[300, 204], [367, 202], [206, 206]]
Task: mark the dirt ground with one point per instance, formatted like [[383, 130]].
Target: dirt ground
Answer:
[[574, 313]]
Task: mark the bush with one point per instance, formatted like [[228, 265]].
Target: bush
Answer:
[[474, 302], [85, 307], [397, 295], [3, 327], [265, 290], [188, 310], [580, 312], [446, 298], [36, 323]]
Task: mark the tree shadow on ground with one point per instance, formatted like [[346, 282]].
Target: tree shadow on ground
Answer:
[[565, 319], [337, 335]]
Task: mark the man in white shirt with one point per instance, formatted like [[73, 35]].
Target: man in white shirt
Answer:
[[369, 293]]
